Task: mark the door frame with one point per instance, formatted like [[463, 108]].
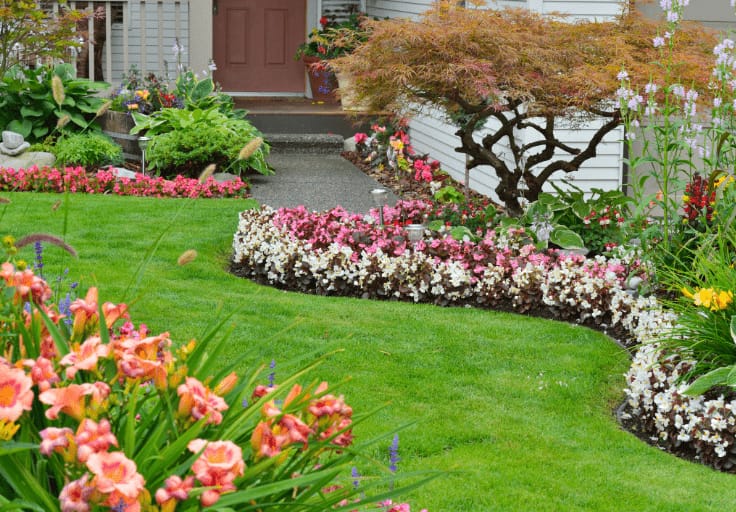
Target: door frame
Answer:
[[201, 40]]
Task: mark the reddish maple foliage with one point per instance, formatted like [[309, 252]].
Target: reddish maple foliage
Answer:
[[522, 71]]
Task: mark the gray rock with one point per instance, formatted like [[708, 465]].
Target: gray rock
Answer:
[[223, 177], [11, 141], [28, 159], [122, 173], [349, 145]]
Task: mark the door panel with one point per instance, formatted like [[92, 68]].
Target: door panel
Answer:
[[255, 42]]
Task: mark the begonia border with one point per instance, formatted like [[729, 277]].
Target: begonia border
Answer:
[[556, 286]]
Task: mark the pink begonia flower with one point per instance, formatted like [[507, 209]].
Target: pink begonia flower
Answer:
[[15, 393], [197, 401], [360, 138], [93, 438], [219, 463], [86, 357], [117, 477], [75, 495]]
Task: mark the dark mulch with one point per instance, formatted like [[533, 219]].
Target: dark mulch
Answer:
[[404, 185]]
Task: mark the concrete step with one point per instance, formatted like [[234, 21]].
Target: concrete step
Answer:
[[312, 143], [302, 115], [287, 123]]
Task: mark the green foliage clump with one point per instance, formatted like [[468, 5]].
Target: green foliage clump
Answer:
[[189, 149], [88, 150], [185, 141], [30, 103]]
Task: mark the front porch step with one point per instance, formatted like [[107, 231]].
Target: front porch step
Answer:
[[312, 143], [303, 116]]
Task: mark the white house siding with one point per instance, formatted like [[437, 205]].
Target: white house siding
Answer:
[[340, 9], [599, 10], [153, 28], [396, 8]]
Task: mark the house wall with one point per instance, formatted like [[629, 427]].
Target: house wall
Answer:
[[153, 29], [396, 8]]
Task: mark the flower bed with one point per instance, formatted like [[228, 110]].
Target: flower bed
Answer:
[[77, 180], [701, 428], [339, 253], [96, 415]]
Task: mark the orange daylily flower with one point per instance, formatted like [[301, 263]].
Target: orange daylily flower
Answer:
[[117, 477], [85, 358], [16, 395], [196, 400], [217, 466], [72, 399]]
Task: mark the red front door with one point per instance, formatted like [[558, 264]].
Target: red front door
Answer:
[[255, 42]]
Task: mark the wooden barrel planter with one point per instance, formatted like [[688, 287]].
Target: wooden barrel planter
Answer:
[[117, 125]]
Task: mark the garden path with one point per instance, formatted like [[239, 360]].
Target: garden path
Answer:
[[318, 181]]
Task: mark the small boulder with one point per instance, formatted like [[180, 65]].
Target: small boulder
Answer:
[[223, 177], [13, 143], [28, 159], [119, 172]]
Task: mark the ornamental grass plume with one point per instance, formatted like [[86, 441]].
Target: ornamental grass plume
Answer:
[[62, 121], [187, 256], [250, 148], [57, 89], [103, 108], [207, 172]]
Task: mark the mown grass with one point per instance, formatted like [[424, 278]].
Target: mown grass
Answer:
[[517, 411]]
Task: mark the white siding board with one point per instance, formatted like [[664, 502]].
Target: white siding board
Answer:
[[397, 9], [600, 10]]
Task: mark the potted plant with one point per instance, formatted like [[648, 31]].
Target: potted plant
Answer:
[[331, 41]]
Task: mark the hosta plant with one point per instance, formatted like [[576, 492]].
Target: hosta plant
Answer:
[[40, 102], [97, 413]]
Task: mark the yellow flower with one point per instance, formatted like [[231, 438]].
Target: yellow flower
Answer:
[[685, 199], [397, 145], [143, 94], [133, 106], [8, 430], [715, 300]]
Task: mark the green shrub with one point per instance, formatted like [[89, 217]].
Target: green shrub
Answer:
[[188, 150], [89, 150], [28, 105]]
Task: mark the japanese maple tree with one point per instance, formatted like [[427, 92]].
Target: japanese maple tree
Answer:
[[526, 72], [31, 30]]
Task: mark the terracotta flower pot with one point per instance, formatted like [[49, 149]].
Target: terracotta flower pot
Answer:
[[322, 81]]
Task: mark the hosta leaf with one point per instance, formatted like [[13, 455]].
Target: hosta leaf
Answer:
[[566, 238], [30, 112], [717, 377], [23, 127]]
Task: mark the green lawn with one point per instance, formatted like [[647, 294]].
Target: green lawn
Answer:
[[517, 411]]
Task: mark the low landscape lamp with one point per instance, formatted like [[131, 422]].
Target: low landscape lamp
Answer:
[[380, 198], [143, 144]]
